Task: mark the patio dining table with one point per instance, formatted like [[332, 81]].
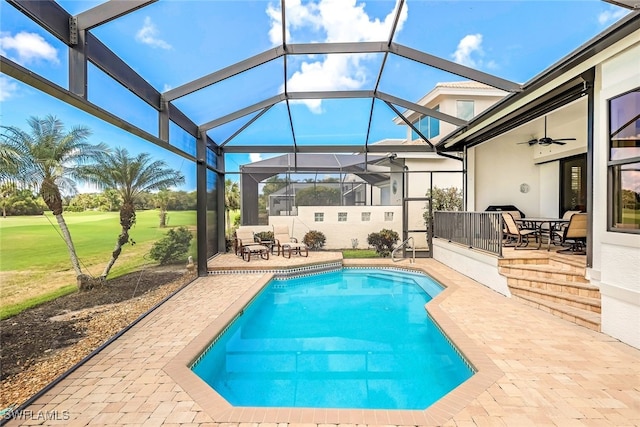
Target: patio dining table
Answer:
[[538, 224]]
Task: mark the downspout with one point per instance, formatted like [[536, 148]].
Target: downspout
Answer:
[[589, 78]]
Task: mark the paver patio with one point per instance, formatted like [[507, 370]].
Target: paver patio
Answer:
[[535, 369]]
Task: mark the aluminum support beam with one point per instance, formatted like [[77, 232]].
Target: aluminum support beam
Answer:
[[336, 48], [340, 94], [201, 205], [281, 149], [48, 14], [221, 217], [108, 11], [246, 125], [78, 66], [454, 68], [18, 72], [408, 123], [101, 56], [241, 113], [225, 73], [420, 109], [179, 118]]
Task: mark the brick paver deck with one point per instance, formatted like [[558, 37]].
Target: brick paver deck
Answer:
[[534, 369]]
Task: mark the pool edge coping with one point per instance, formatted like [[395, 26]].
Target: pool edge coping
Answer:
[[487, 372]]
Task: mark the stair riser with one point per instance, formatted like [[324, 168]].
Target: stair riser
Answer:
[[568, 317], [568, 289], [567, 301], [556, 275], [555, 264]]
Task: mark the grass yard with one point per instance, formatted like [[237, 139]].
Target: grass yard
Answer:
[[359, 253], [34, 261]]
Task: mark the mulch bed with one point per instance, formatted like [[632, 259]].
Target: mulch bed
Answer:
[[39, 344]]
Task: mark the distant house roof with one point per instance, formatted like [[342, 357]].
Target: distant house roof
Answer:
[[325, 162]]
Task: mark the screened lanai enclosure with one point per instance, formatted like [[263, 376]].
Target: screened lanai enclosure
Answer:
[[253, 90]]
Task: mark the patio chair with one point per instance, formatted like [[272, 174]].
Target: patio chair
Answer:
[[558, 231], [287, 244], [516, 235], [246, 244], [575, 235], [244, 236]]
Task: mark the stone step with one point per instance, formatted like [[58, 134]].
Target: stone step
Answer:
[[578, 262], [584, 303], [544, 271], [555, 285], [585, 318]]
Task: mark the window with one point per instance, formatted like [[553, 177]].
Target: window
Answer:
[[624, 162], [319, 216], [428, 126], [342, 217], [388, 216], [464, 110], [366, 216]]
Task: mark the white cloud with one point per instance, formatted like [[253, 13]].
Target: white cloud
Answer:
[[469, 45], [8, 88], [255, 157], [330, 21], [166, 87], [148, 34], [611, 15], [28, 48]]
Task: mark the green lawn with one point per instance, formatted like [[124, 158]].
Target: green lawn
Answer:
[[34, 241], [359, 253], [34, 261]]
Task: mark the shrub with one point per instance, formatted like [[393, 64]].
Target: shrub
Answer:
[[443, 199], [314, 239], [383, 241], [264, 235], [173, 246]]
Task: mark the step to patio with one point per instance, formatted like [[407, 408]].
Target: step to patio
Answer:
[[555, 284], [581, 302], [544, 271], [585, 318]]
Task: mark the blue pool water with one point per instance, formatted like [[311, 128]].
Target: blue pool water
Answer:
[[355, 338]]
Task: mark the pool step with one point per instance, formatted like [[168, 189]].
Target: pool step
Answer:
[[556, 285]]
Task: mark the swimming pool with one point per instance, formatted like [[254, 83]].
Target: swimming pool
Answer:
[[354, 338]]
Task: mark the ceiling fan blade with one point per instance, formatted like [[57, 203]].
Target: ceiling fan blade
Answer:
[[530, 142], [557, 141], [564, 139]]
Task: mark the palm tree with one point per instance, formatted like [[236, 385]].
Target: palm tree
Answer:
[[231, 200], [46, 159], [131, 177], [163, 197]]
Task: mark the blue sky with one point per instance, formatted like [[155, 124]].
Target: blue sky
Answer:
[[171, 43]]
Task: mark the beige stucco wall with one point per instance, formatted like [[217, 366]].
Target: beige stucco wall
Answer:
[[616, 256], [339, 234]]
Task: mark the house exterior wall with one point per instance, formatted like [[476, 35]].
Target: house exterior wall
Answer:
[[420, 182], [615, 269], [501, 167], [497, 168], [340, 234]]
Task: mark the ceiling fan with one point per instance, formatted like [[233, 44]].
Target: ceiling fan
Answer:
[[546, 140]]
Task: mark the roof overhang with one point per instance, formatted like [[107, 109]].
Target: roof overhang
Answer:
[[560, 84]]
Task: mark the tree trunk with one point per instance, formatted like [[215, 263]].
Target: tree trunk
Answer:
[[163, 218], [52, 198], [127, 219], [67, 239]]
